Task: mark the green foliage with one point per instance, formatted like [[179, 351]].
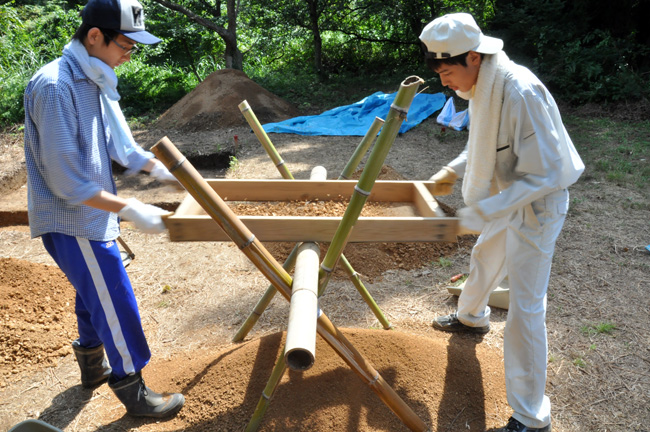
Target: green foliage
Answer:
[[585, 51], [579, 362], [147, 88], [595, 68], [234, 163], [581, 53], [599, 328], [313, 94], [34, 36], [443, 262]]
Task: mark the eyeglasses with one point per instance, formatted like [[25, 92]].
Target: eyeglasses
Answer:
[[134, 49]]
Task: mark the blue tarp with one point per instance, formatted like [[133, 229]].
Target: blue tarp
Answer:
[[356, 119]]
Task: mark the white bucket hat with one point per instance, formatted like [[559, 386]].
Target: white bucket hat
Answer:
[[455, 34]]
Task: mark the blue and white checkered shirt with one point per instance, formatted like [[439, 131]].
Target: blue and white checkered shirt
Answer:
[[66, 153]]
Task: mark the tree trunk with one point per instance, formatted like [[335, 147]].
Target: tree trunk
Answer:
[[318, 41], [234, 57]]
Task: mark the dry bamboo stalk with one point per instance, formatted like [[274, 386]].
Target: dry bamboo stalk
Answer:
[[212, 203], [300, 347]]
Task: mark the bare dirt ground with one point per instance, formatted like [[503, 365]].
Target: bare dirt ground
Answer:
[[194, 296]]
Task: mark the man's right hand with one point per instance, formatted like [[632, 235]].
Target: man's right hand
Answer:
[[146, 217], [444, 181]]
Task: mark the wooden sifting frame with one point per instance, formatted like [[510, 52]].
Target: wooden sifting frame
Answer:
[[190, 223]]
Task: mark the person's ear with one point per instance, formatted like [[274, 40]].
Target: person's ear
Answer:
[[95, 36], [473, 58]]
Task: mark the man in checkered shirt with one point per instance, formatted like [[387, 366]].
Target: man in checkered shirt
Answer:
[[74, 129]]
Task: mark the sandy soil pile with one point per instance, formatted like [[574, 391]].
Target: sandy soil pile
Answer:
[[222, 387], [37, 317], [213, 104]]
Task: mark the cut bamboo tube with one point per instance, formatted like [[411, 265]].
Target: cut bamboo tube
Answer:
[[261, 135], [318, 173], [396, 115], [300, 347], [212, 203]]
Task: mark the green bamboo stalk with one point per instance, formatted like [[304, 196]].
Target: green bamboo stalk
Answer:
[[251, 118], [365, 294], [271, 385], [396, 116], [264, 302], [362, 149], [228, 221], [352, 165]]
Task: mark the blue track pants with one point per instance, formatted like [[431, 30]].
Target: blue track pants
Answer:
[[106, 308]]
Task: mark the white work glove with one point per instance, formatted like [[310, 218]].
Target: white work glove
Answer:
[[161, 173], [444, 181], [146, 217], [471, 221]]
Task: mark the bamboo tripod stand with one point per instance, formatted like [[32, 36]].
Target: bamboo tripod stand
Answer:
[[353, 163], [216, 208]]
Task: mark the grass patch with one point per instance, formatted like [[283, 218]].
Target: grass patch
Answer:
[[614, 151], [599, 328], [443, 262]]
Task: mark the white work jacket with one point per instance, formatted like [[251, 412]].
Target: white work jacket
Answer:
[[535, 155]]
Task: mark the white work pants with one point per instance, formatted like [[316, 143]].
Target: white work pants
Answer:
[[520, 246]]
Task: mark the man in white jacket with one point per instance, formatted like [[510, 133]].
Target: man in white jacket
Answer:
[[516, 167]]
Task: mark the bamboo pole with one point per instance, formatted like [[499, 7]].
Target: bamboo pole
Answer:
[[396, 115], [214, 206], [264, 302], [362, 149], [250, 116], [300, 347], [353, 163], [271, 385]]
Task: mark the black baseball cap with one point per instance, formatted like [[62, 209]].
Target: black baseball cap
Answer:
[[124, 16]]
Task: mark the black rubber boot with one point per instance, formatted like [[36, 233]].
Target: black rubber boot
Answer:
[[141, 401], [92, 363]]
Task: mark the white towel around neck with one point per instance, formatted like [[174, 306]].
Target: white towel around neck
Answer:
[[485, 117], [104, 76]]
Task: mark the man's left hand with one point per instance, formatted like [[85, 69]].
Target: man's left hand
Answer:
[[471, 221]]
